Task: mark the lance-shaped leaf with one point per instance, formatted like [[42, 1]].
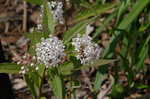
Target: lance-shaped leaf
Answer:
[[48, 21], [31, 84], [97, 63], [9, 68], [143, 53], [56, 83]]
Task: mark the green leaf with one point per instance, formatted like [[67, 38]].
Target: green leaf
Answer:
[[97, 63], [35, 37], [41, 69], [34, 79], [43, 98], [56, 83], [117, 91], [48, 21], [104, 25], [69, 67], [137, 8], [125, 45], [122, 8], [9, 68], [31, 84], [99, 80], [101, 74], [93, 11], [142, 86], [66, 68], [58, 88], [38, 2], [144, 27], [143, 53], [85, 4]]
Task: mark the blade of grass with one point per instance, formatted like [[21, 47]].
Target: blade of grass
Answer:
[[105, 24], [143, 53]]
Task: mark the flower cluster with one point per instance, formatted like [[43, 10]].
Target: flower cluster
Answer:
[[50, 51], [86, 49], [57, 11], [39, 20]]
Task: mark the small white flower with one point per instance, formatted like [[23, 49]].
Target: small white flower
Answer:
[[89, 29], [33, 57], [23, 72], [24, 56], [57, 11], [50, 51], [31, 29], [18, 62], [22, 68], [37, 68], [86, 49], [32, 64], [39, 26]]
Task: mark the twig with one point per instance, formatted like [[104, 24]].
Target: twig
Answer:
[[24, 16], [7, 2], [6, 27]]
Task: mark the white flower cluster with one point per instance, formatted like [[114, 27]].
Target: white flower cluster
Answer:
[[57, 11], [86, 49], [39, 20], [50, 51]]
